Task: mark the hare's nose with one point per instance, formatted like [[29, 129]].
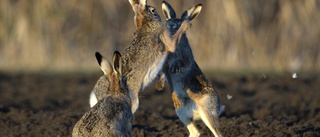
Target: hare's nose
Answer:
[[172, 26]]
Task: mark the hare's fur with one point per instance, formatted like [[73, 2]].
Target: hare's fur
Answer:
[[193, 95], [146, 54], [99, 90], [111, 115]]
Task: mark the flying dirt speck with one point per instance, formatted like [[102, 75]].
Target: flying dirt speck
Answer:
[[229, 97], [294, 75]]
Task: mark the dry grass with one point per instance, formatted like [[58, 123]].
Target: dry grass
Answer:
[[279, 35]]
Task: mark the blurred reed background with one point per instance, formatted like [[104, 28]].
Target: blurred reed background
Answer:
[[62, 35]]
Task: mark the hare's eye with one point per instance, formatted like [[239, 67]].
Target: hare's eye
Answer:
[[151, 10]]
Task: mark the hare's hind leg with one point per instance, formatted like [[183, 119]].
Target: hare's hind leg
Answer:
[[176, 102], [208, 114], [185, 114]]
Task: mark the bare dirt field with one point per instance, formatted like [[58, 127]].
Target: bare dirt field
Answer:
[[50, 105]]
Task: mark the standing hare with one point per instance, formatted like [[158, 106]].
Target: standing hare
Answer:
[[149, 48], [193, 96], [151, 43], [111, 116]]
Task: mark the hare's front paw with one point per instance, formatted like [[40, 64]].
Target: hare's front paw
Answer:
[[161, 81], [160, 84], [176, 102]]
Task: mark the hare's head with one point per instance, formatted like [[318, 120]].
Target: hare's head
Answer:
[[173, 23], [118, 82], [143, 13]]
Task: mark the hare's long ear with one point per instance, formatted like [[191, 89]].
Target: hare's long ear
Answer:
[[104, 63], [168, 11], [191, 13], [117, 63], [143, 2], [138, 5]]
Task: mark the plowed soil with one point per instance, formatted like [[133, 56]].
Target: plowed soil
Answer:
[[256, 105]]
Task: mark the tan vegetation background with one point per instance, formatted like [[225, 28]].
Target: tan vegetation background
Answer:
[[62, 35]]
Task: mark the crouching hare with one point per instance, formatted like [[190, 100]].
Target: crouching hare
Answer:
[[193, 96], [111, 116]]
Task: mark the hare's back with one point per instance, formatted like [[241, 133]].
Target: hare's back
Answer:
[[110, 116], [117, 111], [89, 125], [113, 105]]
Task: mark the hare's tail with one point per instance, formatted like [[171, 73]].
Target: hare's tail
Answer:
[[221, 109], [93, 99]]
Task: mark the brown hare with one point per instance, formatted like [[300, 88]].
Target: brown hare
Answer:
[[151, 43], [193, 96], [111, 116], [144, 57], [148, 50]]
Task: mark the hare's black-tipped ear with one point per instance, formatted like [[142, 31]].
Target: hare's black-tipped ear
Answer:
[[103, 63], [168, 11], [117, 62], [191, 13]]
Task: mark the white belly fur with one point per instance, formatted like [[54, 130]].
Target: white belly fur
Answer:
[[153, 72]]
